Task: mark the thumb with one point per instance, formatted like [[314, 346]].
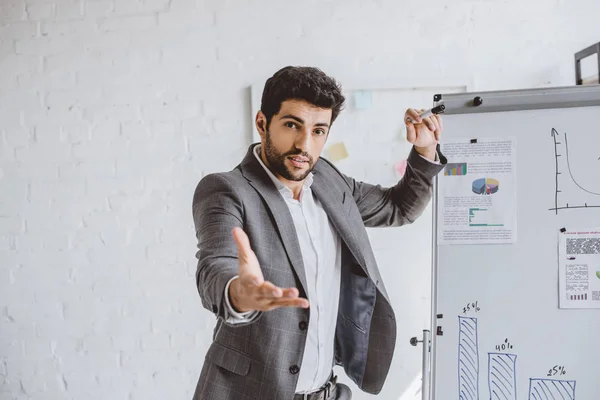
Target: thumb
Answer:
[[248, 263]]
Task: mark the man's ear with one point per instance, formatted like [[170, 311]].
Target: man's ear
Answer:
[[261, 124]]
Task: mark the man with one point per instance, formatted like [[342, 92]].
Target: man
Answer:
[[297, 289]]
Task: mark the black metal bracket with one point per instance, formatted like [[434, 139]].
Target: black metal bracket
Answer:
[[585, 53]]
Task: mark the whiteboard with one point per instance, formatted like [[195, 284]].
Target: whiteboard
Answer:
[[514, 342]]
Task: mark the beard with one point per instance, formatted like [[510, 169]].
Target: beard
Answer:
[[277, 161]]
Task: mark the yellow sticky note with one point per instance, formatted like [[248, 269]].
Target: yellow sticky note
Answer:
[[337, 152]]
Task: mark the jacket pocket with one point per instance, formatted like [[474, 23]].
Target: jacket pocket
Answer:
[[229, 359], [354, 324]]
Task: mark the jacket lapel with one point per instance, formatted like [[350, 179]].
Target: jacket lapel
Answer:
[[284, 224], [335, 203]]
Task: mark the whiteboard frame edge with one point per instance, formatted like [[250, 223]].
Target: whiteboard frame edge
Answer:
[[434, 279], [521, 100]]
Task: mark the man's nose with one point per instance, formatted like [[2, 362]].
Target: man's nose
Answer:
[[303, 141]]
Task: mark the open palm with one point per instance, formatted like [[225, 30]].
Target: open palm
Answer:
[[251, 292]]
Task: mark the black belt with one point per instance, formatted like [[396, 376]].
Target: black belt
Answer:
[[322, 394]]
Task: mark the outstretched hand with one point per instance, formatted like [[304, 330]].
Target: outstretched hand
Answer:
[[250, 291]]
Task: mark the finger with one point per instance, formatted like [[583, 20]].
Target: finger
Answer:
[[290, 293], [299, 302], [429, 124], [411, 134], [269, 291], [435, 123], [412, 115], [438, 133]]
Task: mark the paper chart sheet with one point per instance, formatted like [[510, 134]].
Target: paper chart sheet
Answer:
[[579, 269], [477, 198]]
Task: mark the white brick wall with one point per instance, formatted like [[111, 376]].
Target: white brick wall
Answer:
[[112, 110]]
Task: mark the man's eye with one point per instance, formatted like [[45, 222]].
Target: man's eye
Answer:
[[290, 124], [320, 132]]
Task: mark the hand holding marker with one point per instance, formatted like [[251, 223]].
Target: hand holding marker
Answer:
[[432, 111]]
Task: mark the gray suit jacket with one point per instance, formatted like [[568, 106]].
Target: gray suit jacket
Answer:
[[260, 360]]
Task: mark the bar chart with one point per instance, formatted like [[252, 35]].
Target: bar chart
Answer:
[[501, 371], [455, 169]]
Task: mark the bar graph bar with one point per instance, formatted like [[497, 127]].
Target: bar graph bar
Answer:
[[502, 377], [551, 389], [468, 359], [578, 296]]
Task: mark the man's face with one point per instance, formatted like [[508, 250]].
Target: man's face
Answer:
[[295, 138]]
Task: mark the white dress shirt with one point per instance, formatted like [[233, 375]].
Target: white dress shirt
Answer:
[[321, 250]]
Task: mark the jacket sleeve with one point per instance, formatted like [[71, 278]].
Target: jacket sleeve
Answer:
[[402, 203], [217, 209]]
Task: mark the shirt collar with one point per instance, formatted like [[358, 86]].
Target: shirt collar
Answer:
[[278, 184]]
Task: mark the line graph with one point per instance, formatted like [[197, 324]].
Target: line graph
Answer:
[[561, 151]]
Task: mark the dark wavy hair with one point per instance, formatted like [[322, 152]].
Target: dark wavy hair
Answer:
[[301, 83]]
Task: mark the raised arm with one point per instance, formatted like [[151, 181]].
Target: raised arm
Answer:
[[402, 203], [405, 202], [217, 209]]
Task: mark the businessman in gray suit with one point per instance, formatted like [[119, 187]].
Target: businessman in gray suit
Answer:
[[284, 259]]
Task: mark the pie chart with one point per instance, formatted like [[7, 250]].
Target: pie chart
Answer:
[[485, 186]]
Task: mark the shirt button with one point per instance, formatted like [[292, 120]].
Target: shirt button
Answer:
[[303, 325], [294, 369]]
